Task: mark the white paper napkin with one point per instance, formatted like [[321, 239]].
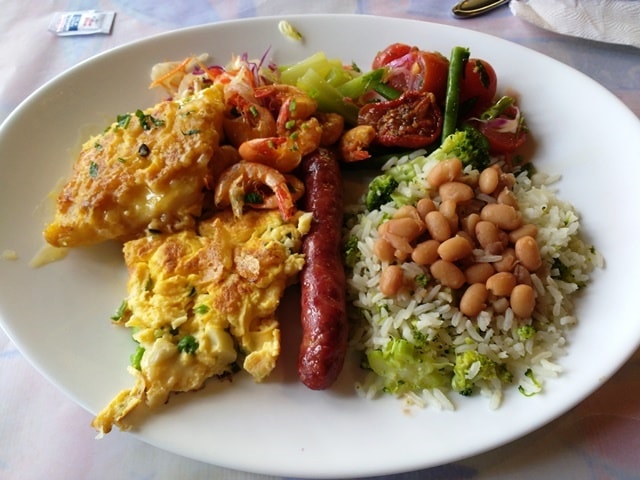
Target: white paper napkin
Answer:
[[612, 21]]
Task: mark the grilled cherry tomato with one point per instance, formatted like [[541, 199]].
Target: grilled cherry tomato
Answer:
[[477, 87], [412, 69], [414, 120]]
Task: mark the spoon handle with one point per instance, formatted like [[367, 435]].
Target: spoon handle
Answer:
[[471, 8]]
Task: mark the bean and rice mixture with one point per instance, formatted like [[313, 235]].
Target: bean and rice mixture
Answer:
[[474, 309]]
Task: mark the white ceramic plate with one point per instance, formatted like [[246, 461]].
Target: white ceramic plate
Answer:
[[58, 315]]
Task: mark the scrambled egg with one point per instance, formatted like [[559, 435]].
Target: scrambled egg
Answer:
[[146, 172], [201, 304]]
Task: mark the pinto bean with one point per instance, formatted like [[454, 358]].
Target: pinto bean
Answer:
[[405, 227], [479, 272], [504, 216], [459, 192], [473, 300], [527, 229], [528, 253], [438, 226], [384, 250], [391, 280], [455, 248], [507, 197], [523, 300], [469, 223], [487, 233], [508, 261], [424, 206], [447, 273], [488, 180], [444, 171], [448, 209], [501, 283], [426, 252]]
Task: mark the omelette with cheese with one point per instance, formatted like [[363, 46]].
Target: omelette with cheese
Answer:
[[146, 172], [202, 304]]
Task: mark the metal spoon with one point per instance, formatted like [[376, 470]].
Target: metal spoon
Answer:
[[471, 8]]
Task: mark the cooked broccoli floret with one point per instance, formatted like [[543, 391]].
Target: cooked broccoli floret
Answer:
[[488, 370], [525, 332], [405, 367], [468, 144], [351, 251]]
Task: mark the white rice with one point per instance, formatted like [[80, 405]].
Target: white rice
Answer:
[[431, 311]]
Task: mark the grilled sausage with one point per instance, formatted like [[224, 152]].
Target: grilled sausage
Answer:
[[323, 283]]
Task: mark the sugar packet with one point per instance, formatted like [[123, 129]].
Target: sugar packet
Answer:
[[82, 22]]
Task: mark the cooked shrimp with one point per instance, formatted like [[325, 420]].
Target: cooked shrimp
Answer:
[[246, 120], [332, 127], [284, 153], [287, 103], [355, 141], [247, 177]]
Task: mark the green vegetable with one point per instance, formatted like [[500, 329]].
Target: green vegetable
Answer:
[[405, 367], [351, 251], [328, 97], [122, 309], [335, 87], [201, 309], [358, 86], [488, 371], [254, 198], [457, 63], [123, 120], [317, 62], [147, 122], [525, 332], [468, 144], [537, 386], [93, 169], [497, 108], [188, 344], [136, 357]]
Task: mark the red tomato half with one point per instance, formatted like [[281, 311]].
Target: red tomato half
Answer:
[[503, 142], [414, 70], [393, 51], [478, 87]]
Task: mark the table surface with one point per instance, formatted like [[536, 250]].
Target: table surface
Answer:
[[43, 434]]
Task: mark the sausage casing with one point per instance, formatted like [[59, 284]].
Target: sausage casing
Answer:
[[323, 282]]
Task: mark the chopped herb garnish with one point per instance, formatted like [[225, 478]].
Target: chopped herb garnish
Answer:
[[144, 150], [123, 120], [136, 357], [116, 317], [193, 131], [201, 309], [97, 146], [122, 160], [253, 197], [93, 169], [147, 122], [188, 344]]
